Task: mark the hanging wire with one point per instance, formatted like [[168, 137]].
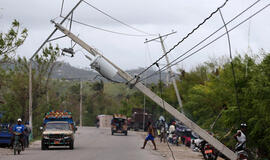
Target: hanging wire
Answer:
[[105, 30], [232, 65], [175, 62], [163, 105], [236, 26], [149, 53], [62, 6], [123, 23], [70, 25], [184, 38]]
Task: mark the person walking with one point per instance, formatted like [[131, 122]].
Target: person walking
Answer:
[[27, 134], [150, 136]]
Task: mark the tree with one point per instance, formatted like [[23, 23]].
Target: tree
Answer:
[[10, 41]]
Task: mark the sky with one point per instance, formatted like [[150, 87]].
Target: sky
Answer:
[[151, 16]]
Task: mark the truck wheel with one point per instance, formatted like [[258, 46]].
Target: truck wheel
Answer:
[[71, 145]]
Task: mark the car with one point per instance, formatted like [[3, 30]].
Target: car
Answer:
[[5, 134]]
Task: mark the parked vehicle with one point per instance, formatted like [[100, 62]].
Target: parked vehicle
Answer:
[[176, 139], [186, 136], [209, 152], [242, 155], [119, 124], [58, 130], [138, 117], [17, 144], [5, 134]]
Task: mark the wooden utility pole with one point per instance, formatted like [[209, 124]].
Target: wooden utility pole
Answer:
[[174, 112], [30, 98], [171, 75]]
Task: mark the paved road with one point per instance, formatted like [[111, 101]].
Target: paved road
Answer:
[[92, 144]]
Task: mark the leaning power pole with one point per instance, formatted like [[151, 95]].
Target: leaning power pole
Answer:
[[174, 112], [169, 69]]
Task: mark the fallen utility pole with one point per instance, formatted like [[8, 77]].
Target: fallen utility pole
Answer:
[[169, 69], [193, 126]]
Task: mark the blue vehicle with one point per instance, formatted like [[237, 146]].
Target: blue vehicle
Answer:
[[59, 116], [5, 134]]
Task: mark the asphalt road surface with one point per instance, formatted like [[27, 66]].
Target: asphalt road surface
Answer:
[[92, 144]]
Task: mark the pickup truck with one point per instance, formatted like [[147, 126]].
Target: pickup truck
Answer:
[[58, 130], [57, 133]]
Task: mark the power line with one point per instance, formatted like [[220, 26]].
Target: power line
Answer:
[[232, 65], [62, 6], [176, 62], [236, 26], [183, 39], [123, 23], [105, 30], [207, 38]]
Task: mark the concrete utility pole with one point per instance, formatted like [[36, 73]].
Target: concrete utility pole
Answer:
[[30, 66], [144, 103], [169, 69], [174, 112], [81, 98], [80, 103]]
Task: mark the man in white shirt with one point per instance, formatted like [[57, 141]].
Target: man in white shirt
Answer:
[[240, 137]]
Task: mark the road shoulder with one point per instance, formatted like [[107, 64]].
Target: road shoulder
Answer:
[[180, 152]]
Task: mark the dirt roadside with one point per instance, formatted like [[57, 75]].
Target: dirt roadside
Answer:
[[180, 152]]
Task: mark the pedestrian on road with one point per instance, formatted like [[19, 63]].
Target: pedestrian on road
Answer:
[[150, 136], [27, 134]]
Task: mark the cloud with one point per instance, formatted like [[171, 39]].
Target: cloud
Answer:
[[154, 16]]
